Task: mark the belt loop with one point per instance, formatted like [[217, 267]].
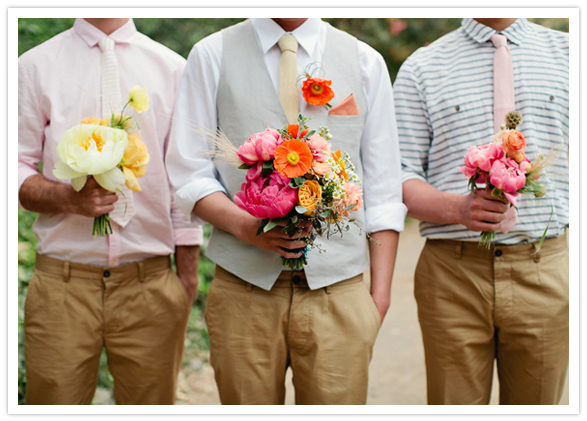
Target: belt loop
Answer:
[[459, 250], [248, 286], [141, 271], [328, 289], [66, 271]]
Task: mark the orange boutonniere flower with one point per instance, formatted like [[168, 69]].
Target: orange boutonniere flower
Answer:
[[317, 91], [293, 158]]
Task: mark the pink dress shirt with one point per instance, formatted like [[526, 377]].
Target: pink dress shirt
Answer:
[[59, 85]]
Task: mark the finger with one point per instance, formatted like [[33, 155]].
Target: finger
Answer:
[[491, 217], [290, 244], [289, 254], [494, 206], [484, 226]]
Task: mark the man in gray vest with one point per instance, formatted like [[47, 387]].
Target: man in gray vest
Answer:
[[321, 321]]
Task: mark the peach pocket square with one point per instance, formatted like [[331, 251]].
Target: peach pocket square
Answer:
[[347, 106]]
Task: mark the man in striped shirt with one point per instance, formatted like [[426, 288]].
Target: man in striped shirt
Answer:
[[508, 302]]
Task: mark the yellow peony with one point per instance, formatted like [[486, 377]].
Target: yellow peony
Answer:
[[91, 149], [309, 194], [134, 161], [138, 98]]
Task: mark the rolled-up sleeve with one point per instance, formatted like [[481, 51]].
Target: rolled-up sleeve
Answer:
[[413, 123], [191, 170], [31, 125], [384, 209]]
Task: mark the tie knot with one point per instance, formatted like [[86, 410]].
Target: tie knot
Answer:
[[499, 40], [288, 43], [106, 44]]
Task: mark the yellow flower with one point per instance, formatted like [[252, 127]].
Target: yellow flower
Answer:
[[104, 122], [138, 98], [91, 149], [309, 194], [134, 161], [90, 120]]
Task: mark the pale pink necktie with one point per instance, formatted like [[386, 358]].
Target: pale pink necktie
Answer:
[[503, 81], [111, 101], [503, 103]]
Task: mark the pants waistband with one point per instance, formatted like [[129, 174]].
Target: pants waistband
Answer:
[[79, 270], [498, 251], [286, 279]]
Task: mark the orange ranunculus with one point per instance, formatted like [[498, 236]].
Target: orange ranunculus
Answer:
[[90, 120], [293, 129], [293, 158], [317, 91], [135, 159], [309, 194], [337, 158], [513, 143]]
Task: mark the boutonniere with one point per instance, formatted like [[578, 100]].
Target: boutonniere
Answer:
[[315, 90]]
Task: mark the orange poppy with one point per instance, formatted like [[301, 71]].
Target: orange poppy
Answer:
[[317, 91], [293, 129], [293, 158], [337, 158]]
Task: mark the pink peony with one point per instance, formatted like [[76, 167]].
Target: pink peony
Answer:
[[483, 156], [270, 197], [506, 175], [260, 147], [353, 196], [320, 147], [254, 172]]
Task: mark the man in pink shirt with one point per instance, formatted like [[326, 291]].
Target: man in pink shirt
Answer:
[[116, 292]]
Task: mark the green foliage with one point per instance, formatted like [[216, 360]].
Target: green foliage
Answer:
[[394, 38]]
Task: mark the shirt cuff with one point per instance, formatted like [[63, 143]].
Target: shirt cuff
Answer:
[[187, 196], [389, 216], [188, 236]]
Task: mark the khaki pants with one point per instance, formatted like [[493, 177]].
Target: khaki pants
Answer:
[[138, 312], [325, 335], [477, 305]]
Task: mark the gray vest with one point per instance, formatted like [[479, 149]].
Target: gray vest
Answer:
[[247, 103]]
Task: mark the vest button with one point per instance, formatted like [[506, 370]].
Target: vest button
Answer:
[[106, 273], [296, 279], [498, 253]]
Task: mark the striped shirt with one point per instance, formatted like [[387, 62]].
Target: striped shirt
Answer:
[[444, 105]]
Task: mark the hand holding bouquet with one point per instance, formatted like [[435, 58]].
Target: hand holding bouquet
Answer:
[[294, 180], [504, 169], [108, 149]]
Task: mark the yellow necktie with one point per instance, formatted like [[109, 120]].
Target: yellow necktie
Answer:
[[288, 75]]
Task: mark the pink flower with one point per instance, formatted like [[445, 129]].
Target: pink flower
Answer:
[[260, 147], [353, 196], [482, 157], [506, 175], [254, 172], [320, 147], [270, 197]]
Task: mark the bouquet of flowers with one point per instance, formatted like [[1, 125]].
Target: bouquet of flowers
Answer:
[[293, 179], [108, 149], [504, 169]]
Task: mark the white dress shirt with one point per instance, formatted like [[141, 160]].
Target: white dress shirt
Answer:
[[194, 176]]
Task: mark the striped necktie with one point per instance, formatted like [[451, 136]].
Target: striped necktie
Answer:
[[124, 208]]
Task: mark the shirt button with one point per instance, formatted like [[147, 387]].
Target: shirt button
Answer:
[[498, 253], [106, 273], [296, 279]]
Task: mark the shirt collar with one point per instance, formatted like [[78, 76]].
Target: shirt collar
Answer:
[[92, 35], [269, 32], [480, 33]]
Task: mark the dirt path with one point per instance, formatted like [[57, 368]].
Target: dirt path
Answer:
[[397, 373]]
